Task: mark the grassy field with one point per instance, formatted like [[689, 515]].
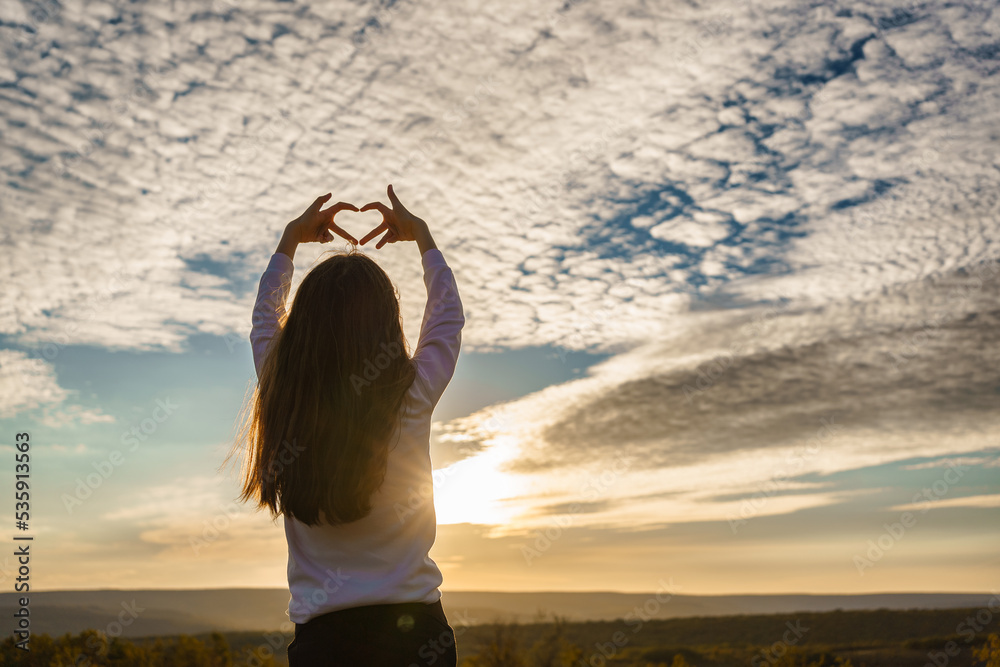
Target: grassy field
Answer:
[[939, 638], [879, 638]]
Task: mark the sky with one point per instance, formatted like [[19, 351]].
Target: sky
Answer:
[[730, 273]]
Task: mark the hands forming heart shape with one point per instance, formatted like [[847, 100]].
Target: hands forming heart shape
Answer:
[[316, 225]]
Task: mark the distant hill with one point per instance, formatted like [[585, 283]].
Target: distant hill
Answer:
[[172, 612]]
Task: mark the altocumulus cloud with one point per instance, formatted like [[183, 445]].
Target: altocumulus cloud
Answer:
[[617, 177]]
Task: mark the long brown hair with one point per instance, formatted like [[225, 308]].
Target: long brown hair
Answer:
[[317, 431]]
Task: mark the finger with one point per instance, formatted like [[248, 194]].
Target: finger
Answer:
[[385, 239], [326, 236], [375, 232], [394, 199], [320, 201], [377, 205], [342, 206], [391, 237], [337, 228]]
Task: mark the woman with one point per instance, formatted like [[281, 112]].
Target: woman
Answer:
[[336, 439]]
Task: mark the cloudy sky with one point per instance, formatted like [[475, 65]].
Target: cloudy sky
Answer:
[[730, 272]]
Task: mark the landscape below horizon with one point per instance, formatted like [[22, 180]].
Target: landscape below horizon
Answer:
[[173, 612]]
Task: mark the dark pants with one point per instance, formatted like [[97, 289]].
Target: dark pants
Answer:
[[412, 634]]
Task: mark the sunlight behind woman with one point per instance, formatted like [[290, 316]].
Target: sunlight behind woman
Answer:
[[478, 489]]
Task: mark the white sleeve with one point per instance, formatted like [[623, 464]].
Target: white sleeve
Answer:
[[441, 330], [270, 306]]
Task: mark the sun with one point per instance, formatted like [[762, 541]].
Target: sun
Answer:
[[478, 489]]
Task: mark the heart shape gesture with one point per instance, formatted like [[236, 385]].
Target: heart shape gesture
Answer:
[[352, 223], [316, 224]]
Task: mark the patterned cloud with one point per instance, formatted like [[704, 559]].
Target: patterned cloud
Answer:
[[153, 154]]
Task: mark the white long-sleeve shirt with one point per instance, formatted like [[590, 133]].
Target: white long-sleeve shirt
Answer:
[[383, 557]]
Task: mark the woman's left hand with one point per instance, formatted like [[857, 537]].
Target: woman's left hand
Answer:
[[315, 225]]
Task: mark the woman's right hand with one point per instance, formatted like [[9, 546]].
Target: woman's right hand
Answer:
[[397, 223]]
